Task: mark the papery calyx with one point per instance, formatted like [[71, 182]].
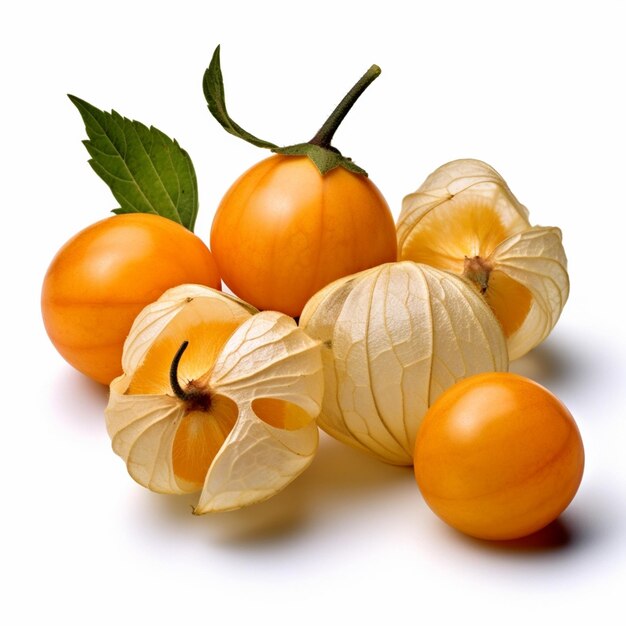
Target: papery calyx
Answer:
[[465, 219], [393, 338], [217, 398]]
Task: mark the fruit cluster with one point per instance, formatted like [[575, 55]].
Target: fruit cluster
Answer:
[[393, 338]]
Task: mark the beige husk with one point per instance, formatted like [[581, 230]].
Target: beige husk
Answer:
[[531, 255], [393, 339], [535, 259], [267, 356], [463, 176]]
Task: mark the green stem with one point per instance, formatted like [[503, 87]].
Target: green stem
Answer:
[[325, 134]]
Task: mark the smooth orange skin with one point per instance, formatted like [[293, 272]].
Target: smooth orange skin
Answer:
[[283, 231], [105, 275], [498, 456]]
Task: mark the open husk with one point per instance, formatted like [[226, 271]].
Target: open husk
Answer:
[[393, 338], [264, 383], [465, 219]]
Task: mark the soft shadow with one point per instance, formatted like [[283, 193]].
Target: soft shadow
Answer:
[[268, 523], [557, 535], [554, 362], [77, 400], [341, 474], [569, 533], [340, 481]]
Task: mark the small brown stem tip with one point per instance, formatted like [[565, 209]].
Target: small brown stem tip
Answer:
[[196, 396], [478, 270], [179, 392]]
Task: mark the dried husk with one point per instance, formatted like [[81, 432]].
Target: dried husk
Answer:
[[460, 177], [535, 259], [393, 339], [533, 256], [266, 357]]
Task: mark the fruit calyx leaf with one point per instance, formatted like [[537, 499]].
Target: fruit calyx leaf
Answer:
[[147, 171], [325, 159], [319, 150]]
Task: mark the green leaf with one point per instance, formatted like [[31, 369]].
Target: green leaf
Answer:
[[146, 171], [213, 87], [325, 159]]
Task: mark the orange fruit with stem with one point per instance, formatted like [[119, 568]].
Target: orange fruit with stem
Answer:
[[299, 220]]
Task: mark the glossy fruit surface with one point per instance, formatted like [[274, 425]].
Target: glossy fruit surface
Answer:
[[283, 231], [105, 275], [498, 456]]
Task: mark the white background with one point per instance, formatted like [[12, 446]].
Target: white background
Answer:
[[536, 90]]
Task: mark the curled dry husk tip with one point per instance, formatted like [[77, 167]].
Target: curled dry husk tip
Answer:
[[465, 219], [267, 366], [393, 339]]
